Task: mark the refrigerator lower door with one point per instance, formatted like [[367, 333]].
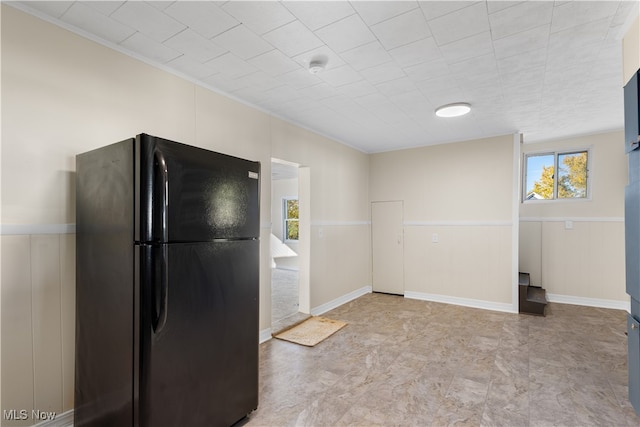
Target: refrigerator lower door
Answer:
[[199, 332], [632, 239]]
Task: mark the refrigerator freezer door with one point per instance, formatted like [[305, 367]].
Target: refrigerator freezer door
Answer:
[[188, 194], [199, 367], [631, 114]]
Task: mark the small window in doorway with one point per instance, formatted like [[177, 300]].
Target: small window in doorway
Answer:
[[290, 216]]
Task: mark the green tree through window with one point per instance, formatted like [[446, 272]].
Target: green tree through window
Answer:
[[291, 219], [541, 181]]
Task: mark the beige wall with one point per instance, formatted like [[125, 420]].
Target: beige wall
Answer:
[[63, 95], [462, 192], [339, 218], [584, 264], [631, 51]]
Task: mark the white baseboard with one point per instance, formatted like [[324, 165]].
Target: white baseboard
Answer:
[[339, 301], [61, 420], [265, 335], [590, 302], [465, 302]]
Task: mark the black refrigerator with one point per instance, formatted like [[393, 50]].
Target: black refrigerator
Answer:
[[167, 267]]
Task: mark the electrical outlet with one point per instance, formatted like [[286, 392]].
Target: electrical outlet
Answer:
[[435, 238], [568, 225]]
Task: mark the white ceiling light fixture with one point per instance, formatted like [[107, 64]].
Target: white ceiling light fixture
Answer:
[[453, 110], [316, 66]]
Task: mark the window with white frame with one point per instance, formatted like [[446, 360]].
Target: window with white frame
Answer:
[[290, 216], [556, 175]]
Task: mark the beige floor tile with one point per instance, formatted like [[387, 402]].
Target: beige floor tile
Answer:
[[404, 362]]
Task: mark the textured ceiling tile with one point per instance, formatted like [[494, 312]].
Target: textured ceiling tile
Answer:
[[51, 8], [293, 39], [148, 20], [149, 48], [365, 56], [229, 65], [242, 42], [460, 24], [274, 62], [397, 86], [434, 9], [357, 89], [437, 84], [550, 78], [494, 6], [194, 45], [533, 39], [299, 79], [340, 76], [281, 94], [317, 14], [428, 70], [373, 12], [320, 91], [522, 17], [104, 7], [575, 13], [485, 64], [411, 102], [424, 50], [191, 67], [476, 45], [382, 73], [259, 81], [346, 34], [403, 29], [202, 17], [94, 22], [580, 37], [522, 61], [260, 16]]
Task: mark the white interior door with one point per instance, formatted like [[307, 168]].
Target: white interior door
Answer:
[[387, 242]]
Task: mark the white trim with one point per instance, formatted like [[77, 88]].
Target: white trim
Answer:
[[457, 223], [265, 225], [61, 420], [338, 223], [321, 309], [264, 336], [574, 219], [14, 229], [515, 213], [465, 302], [590, 302]]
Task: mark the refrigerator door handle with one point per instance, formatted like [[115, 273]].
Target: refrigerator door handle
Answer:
[[161, 186], [161, 291]]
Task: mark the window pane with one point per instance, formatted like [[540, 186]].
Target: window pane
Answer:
[[292, 230], [572, 175], [539, 179], [292, 209]]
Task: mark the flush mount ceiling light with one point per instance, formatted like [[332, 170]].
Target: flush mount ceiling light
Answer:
[[316, 65], [453, 110]]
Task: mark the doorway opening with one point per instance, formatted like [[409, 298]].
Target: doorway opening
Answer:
[[289, 245]]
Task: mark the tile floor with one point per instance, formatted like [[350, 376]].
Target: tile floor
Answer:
[[417, 363], [284, 293]]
